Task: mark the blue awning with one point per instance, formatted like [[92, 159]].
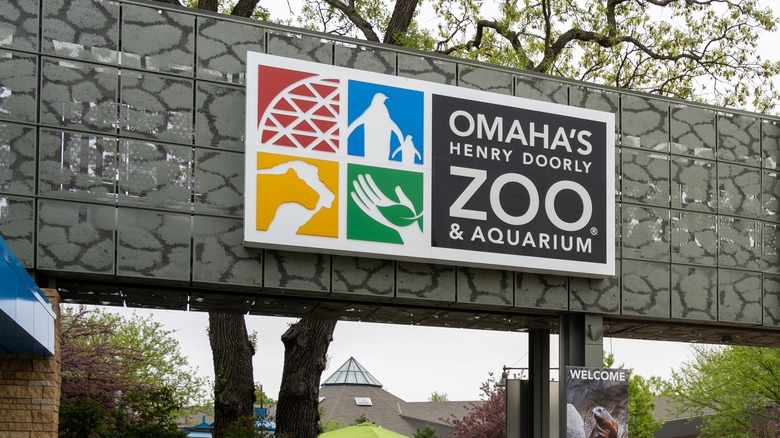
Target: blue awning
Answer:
[[26, 316]]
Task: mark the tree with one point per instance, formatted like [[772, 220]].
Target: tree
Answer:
[[486, 419], [426, 432], [305, 357], [436, 397], [122, 376], [641, 393], [234, 389], [729, 389], [703, 50]]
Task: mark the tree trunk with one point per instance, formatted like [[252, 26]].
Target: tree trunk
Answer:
[[400, 20], [234, 387], [305, 357]]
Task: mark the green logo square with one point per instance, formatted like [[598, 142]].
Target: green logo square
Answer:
[[384, 205]]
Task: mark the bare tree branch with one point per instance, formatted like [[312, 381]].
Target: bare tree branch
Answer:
[[354, 16]]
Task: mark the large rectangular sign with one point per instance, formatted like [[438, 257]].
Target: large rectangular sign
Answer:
[[352, 162], [596, 402]]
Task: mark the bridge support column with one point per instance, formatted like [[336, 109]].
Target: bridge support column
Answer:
[[539, 381], [581, 345]]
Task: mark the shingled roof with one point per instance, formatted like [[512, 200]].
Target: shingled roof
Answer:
[[352, 391]]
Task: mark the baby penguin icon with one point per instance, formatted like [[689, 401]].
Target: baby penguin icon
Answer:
[[407, 150]]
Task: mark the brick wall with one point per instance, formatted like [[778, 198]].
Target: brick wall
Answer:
[[30, 390]]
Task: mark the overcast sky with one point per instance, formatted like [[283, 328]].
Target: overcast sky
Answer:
[[412, 362]]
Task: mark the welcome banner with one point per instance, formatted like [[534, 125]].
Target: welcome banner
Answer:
[[351, 162]]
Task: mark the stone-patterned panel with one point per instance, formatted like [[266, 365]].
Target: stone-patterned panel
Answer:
[[739, 243], [155, 106], [645, 177], [739, 139], [219, 182], [769, 244], [484, 79], [305, 272], [693, 131], [425, 281], [694, 293], [155, 175], [17, 159], [79, 95], [359, 277], [541, 89], [76, 237], [694, 238], [156, 39], [19, 24], [83, 29], [646, 233], [365, 58], [219, 254], [427, 69], [646, 289], [770, 143], [772, 300], [153, 244], [770, 195], [596, 295], [485, 287], [219, 116], [222, 48], [694, 184], [739, 297], [598, 100], [18, 92], [17, 225], [739, 190], [77, 166], [300, 47], [541, 291], [645, 123]]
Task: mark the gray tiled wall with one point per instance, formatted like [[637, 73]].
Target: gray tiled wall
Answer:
[[121, 156]]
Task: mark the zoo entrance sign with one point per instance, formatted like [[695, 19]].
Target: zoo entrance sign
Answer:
[[351, 162]]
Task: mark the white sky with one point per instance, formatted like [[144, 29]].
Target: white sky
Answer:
[[410, 361]]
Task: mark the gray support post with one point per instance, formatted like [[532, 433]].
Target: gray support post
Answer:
[[539, 380], [581, 344], [513, 409]]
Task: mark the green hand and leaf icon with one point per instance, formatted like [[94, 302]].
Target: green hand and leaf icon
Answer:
[[401, 215]]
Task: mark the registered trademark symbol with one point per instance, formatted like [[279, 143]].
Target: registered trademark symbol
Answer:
[[594, 231]]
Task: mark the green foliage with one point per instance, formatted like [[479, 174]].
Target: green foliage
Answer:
[[730, 388], [122, 376], [438, 397], [362, 419], [329, 425], [426, 432], [641, 392], [262, 398], [247, 427], [701, 51]]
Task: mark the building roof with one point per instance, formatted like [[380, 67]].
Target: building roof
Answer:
[[343, 398], [352, 373]]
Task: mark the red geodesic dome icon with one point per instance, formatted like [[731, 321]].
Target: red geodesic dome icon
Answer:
[[298, 109]]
